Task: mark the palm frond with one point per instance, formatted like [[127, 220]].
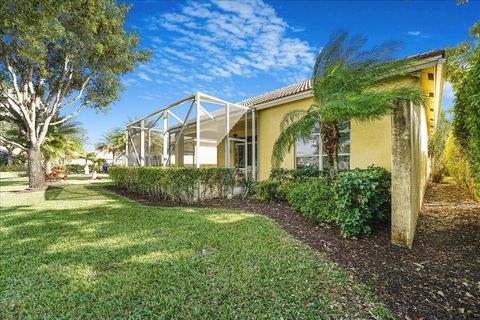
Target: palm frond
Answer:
[[299, 129]]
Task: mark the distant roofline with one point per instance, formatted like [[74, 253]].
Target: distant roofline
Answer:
[[303, 89]]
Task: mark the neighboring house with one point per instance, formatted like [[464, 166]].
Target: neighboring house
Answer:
[[397, 142]]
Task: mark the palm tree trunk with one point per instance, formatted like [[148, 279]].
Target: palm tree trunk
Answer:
[[330, 138], [113, 160]]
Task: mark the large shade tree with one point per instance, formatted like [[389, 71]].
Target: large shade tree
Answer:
[[349, 82], [60, 57]]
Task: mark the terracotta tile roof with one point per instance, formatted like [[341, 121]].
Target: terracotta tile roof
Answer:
[[306, 85], [298, 87]]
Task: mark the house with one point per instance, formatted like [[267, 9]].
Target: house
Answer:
[[242, 135]]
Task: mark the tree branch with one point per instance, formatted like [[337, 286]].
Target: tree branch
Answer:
[[80, 93], [14, 80], [71, 115], [13, 143]]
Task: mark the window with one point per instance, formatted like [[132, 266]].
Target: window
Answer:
[[240, 153], [307, 151]]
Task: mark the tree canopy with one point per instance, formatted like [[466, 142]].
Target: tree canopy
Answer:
[[61, 56]]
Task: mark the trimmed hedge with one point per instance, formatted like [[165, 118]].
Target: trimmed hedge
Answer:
[[12, 169], [75, 168], [297, 175], [176, 184]]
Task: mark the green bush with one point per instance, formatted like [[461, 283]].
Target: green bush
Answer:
[[459, 167], [314, 198], [176, 184], [266, 190], [75, 168], [298, 175], [362, 199], [12, 169], [285, 188]]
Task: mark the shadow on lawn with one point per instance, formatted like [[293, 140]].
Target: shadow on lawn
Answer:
[[134, 260]]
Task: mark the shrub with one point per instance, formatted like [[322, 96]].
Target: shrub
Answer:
[[176, 184], [75, 168], [314, 198], [12, 169], [285, 188], [459, 167], [247, 185], [266, 190], [436, 149], [298, 175], [362, 198]]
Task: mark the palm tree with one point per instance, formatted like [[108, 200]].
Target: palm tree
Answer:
[[64, 140], [114, 142], [348, 83]]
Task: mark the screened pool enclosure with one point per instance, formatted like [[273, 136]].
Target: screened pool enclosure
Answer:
[[197, 131]]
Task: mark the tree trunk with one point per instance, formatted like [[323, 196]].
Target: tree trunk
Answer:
[[330, 139], [10, 157], [94, 174], [36, 175], [86, 169], [113, 160]]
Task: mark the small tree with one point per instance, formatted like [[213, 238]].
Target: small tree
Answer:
[[57, 55], [348, 83]]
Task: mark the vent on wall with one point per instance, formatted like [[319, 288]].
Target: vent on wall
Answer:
[[430, 76]]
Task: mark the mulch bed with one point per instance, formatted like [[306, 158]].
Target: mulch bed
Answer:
[[439, 278]]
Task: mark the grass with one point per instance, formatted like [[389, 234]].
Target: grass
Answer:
[[83, 253]]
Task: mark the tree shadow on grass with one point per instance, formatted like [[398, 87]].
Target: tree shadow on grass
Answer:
[[118, 259]]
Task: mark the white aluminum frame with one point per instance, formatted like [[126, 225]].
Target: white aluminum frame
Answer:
[[196, 99]]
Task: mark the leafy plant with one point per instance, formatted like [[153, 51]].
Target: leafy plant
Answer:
[[466, 121], [315, 199], [247, 185], [362, 198], [436, 149], [266, 190], [458, 166]]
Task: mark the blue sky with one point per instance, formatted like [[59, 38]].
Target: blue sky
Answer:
[[239, 49]]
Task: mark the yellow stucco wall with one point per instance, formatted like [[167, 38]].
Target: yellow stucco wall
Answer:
[[370, 141], [268, 131]]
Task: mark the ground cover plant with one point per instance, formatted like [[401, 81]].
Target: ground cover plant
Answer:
[[77, 251]]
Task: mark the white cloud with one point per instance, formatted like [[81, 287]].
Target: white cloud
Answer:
[[222, 39], [414, 33], [144, 76]]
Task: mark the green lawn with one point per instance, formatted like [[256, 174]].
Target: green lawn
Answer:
[[81, 252]]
